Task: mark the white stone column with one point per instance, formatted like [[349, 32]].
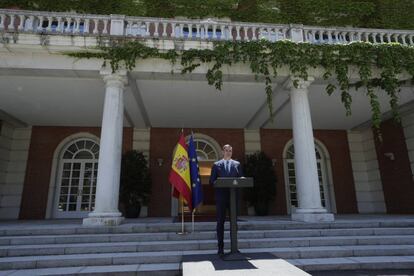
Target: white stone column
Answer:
[[307, 182], [107, 189]]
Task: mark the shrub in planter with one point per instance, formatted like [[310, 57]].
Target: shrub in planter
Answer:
[[135, 185], [260, 167]]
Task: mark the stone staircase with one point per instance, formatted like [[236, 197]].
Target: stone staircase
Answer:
[[154, 248]]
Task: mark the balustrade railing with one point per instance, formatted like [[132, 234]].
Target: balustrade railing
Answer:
[[142, 27], [45, 22], [319, 35]]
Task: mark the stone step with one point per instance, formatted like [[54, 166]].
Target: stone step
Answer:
[[354, 263], [138, 269], [168, 245], [167, 269], [310, 265], [72, 229], [129, 258], [137, 258], [207, 235], [317, 252]]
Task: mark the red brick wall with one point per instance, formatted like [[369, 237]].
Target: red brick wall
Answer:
[[396, 175], [273, 142], [43, 143], [162, 143]]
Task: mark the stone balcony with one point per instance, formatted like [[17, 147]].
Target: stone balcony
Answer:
[[193, 33]]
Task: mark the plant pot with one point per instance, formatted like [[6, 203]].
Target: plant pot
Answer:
[[261, 208], [132, 211]]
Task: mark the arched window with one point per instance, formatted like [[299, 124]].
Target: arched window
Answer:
[[205, 151], [77, 178], [290, 177]]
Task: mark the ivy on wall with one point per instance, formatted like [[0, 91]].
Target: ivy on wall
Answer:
[[386, 14], [377, 66]]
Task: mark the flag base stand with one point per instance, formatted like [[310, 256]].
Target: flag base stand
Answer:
[[183, 232]]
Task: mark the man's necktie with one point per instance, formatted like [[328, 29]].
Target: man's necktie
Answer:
[[228, 166]]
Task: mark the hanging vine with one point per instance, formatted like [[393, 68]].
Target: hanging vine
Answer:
[[266, 58]]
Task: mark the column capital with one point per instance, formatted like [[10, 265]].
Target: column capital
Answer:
[[298, 83], [118, 78]]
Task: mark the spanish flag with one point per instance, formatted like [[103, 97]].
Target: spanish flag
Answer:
[[180, 172]]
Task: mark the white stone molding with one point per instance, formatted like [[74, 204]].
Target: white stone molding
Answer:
[[365, 168], [14, 151], [307, 183], [107, 190]]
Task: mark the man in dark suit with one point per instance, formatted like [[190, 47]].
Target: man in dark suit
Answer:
[[225, 167]]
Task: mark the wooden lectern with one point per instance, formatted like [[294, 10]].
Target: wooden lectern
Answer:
[[233, 183]]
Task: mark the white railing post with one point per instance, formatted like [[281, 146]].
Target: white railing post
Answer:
[[254, 29], [197, 30], [95, 27], [147, 29], [40, 24], [2, 21], [105, 27], [296, 33], [49, 24], [156, 29], [86, 26], [214, 31], [238, 32], [21, 23], [11, 24], [117, 24], [164, 29]]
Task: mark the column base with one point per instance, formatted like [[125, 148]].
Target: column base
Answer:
[[103, 219], [317, 215]]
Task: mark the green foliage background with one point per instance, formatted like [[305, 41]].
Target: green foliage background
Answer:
[[135, 184], [386, 14], [259, 166]]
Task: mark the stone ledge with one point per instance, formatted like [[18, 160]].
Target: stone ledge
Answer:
[[313, 217], [102, 221]]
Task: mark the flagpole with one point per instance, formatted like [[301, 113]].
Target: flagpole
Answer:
[[182, 215], [192, 219]]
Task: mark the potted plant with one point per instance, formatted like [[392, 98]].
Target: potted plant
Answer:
[[135, 185], [260, 167]]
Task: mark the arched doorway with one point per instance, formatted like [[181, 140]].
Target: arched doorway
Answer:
[[207, 154], [76, 179], [324, 176]]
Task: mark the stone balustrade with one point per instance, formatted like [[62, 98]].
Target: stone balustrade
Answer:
[[209, 29], [48, 22], [340, 35]]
